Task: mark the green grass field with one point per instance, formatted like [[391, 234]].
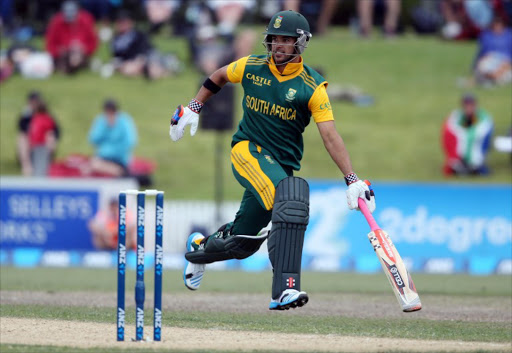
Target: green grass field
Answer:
[[413, 80], [451, 311]]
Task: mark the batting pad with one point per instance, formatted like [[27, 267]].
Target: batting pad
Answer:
[[290, 218]]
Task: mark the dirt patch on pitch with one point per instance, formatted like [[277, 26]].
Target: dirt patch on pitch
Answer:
[[435, 307], [90, 335]]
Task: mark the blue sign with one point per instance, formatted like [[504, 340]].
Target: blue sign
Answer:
[[436, 228], [46, 219]]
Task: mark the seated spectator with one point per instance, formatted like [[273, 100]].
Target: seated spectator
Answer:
[[159, 12], [133, 53], [466, 138], [104, 228], [213, 43], [318, 13], [365, 12], [465, 19], [114, 135], [493, 63], [37, 135], [229, 13], [71, 38]]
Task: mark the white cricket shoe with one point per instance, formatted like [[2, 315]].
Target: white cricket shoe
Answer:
[[193, 273], [290, 298]]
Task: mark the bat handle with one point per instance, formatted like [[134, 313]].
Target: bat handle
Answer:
[[368, 215]]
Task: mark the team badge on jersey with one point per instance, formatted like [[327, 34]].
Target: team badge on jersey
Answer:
[[277, 22], [291, 94]]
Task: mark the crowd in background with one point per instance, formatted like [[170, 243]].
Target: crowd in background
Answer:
[[72, 31], [113, 135]]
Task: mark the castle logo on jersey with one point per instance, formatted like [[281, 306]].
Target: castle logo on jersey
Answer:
[[258, 80], [291, 94], [278, 21]]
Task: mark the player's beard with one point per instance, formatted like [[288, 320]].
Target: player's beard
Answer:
[[281, 58]]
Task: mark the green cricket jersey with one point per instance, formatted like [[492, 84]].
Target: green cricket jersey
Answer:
[[278, 107]]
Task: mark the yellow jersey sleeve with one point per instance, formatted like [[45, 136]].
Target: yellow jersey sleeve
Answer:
[[319, 104], [236, 70]]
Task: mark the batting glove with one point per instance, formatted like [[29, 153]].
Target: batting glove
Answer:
[[182, 117], [359, 189]]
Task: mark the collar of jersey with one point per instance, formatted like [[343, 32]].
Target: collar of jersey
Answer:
[[291, 70]]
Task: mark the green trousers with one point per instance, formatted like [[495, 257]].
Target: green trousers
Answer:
[[258, 172]]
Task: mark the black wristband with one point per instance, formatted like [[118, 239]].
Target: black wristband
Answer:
[[211, 86]]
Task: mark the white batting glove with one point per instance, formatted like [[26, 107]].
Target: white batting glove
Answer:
[[182, 117], [359, 189]]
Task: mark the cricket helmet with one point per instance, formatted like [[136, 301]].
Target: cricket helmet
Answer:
[[288, 23]]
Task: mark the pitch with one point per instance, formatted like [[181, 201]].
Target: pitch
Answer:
[[73, 310]]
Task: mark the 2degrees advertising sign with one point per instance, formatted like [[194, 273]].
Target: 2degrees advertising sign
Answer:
[[435, 227], [46, 219]]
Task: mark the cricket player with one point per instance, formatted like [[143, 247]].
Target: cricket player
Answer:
[[281, 94]]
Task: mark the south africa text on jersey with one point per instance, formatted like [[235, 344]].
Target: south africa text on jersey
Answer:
[[263, 107]]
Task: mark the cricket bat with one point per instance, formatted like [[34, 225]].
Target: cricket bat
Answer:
[[392, 264]]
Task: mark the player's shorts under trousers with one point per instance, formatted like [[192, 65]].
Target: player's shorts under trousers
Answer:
[[259, 173]]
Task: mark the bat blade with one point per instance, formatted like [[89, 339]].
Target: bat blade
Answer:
[[395, 270]]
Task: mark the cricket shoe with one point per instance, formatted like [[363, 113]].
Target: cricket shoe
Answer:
[[193, 273], [290, 298]]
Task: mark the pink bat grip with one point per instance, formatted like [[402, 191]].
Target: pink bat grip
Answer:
[[367, 214]]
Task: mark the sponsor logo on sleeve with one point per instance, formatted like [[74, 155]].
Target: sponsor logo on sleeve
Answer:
[[325, 106]]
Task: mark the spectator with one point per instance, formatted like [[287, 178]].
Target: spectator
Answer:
[[6, 66], [134, 55], [24, 145], [466, 138], [114, 136], [159, 12], [102, 10], [71, 38], [42, 140], [104, 228], [213, 43], [465, 19], [318, 13], [426, 17], [365, 11], [493, 63], [229, 13]]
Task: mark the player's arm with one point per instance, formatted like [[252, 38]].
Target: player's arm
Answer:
[[335, 146], [209, 88], [321, 110], [339, 154], [189, 115]]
